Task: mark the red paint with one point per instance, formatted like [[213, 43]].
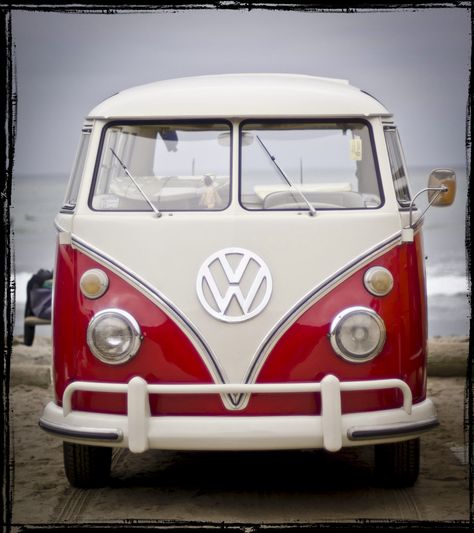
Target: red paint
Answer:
[[165, 356], [303, 353], [64, 319]]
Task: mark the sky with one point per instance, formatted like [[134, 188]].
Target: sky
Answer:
[[416, 62]]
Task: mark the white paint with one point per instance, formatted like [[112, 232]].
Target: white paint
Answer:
[[141, 431], [242, 95], [299, 250]]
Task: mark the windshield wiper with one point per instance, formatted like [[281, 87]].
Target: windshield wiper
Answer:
[[312, 210], [157, 213]]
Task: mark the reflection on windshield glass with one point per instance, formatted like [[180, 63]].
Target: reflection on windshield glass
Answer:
[[174, 167], [328, 165]]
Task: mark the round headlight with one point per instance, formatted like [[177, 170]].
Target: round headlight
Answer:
[[357, 334], [94, 283], [113, 336], [378, 281]]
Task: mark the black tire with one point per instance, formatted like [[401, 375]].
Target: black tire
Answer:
[[87, 466], [397, 464], [28, 335]]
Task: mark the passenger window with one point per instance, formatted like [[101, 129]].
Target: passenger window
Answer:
[[70, 199], [398, 167]]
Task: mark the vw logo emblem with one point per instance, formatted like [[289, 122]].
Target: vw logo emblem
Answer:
[[234, 285]]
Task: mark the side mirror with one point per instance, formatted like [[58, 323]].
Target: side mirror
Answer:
[[441, 178], [441, 191]]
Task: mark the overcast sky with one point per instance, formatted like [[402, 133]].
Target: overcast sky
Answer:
[[415, 62]]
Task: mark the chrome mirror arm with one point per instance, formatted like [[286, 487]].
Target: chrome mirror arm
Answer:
[[412, 203]]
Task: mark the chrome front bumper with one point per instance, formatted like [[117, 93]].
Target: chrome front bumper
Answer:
[[332, 430]]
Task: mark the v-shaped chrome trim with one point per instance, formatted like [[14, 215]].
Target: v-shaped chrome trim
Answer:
[[237, 401], [305, 303], [167, 307]]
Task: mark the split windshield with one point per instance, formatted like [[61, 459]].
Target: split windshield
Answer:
[[175, 167], [181, 166], [327, 165]]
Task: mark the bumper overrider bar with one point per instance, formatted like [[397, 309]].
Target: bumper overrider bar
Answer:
[[139, 431]]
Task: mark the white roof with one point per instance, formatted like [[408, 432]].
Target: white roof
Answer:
[[241, 95]]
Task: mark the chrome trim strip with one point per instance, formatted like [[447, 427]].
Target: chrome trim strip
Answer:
[[165, 305], [395, 430], [115, 435], [307, 301]]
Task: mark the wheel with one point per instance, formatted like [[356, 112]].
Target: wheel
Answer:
[[397, 464], [87, 466]]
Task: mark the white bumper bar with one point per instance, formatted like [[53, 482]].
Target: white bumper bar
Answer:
[[139, 431]]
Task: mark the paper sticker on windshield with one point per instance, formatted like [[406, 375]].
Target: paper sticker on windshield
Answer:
[[356, 149], [109, 202]]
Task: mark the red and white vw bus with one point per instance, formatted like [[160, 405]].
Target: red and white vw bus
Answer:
[[240, 267]]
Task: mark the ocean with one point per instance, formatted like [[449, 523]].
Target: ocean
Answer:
[[37, 198]]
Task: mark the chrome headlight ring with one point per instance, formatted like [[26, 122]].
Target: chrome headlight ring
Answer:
[[113, 336], [357, 334]]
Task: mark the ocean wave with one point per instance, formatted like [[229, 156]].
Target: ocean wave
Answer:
[[448, 285]]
